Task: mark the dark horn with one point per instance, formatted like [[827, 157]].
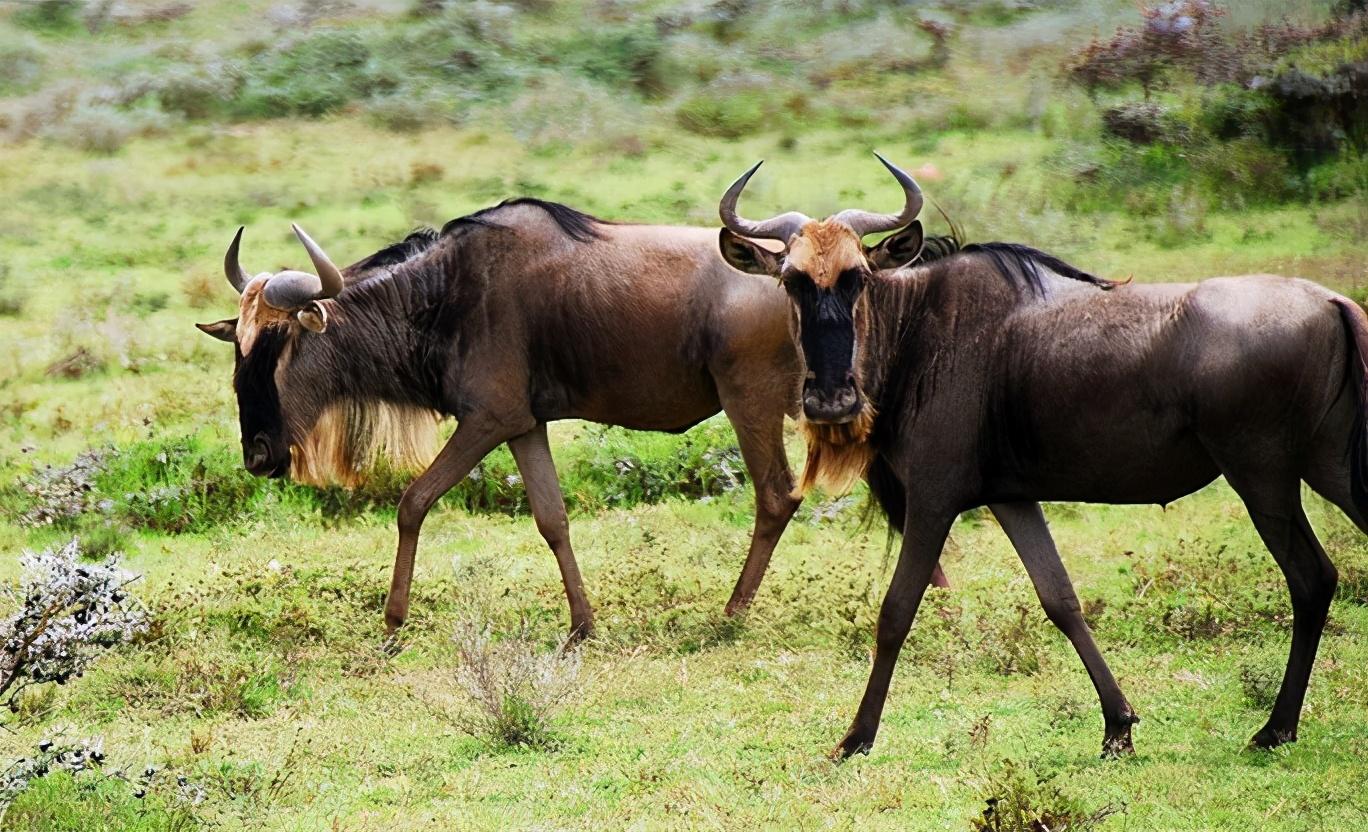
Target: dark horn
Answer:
[[867, 222], [329, 276], [290, 290], [237, 276], [779, 228]]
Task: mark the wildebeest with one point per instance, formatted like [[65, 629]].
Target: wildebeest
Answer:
[[508, 319], [1002, 376]]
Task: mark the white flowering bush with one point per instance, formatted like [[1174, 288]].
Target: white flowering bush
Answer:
[[60, 495], [65, 615], [514, 686]]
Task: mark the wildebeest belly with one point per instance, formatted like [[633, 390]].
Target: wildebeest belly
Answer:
[[1136, 468], [645, 390]]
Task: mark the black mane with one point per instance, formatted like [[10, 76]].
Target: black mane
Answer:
[[577, 225], [1020, 265], [418, 241]]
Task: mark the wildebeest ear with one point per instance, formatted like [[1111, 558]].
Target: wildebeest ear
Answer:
[[225, 330], [313, 317], [897, 249], [747, 256]]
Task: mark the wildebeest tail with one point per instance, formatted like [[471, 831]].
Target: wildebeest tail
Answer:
[[1356, 322]]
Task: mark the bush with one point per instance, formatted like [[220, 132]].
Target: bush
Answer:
[[724, 116], [63, 786], [21, 65], [196, 92], [1173, 34], [50, 15], [311, 77], [177, 485], [513, 686], [104, 128], [13, 294], [1019, 800], [67, 614], [1139, 122]]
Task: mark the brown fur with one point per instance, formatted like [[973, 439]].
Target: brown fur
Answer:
[[824, 249], [352, 439]]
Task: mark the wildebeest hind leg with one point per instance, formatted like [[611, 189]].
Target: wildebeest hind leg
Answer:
[[761, 437], [532, 452], [1275, 506], [467, 446], [1026, 527]]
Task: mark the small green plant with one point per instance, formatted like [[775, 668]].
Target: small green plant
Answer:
[[514, 686], [1260, 684], [1017, 799]]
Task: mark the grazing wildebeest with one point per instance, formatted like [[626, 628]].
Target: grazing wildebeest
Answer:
[[1002, 376], [508, 319]]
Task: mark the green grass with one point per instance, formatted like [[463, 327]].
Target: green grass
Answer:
[[265, 677]]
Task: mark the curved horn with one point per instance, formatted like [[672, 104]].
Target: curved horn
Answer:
[[290, 290], [329, 276], [779, 228], [867, 222], [237, 276]]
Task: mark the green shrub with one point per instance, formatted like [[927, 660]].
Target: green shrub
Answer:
[[104, 128], [1017, 799], [14, 295], [724, 116], [196, 92], [53, 16], [96, 803], [612, 467], [175, 485], [311, 77], [21, 64]]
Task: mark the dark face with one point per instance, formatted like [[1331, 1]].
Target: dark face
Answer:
[[825, 269], [825, 322], [265, 439]]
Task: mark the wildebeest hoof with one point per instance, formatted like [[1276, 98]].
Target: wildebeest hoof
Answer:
[[579, 632], [391, 645], [1117, 742], [854, 743], [1270, 737], [1118, 745]]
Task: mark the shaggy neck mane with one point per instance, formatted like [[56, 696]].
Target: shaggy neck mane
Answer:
[[375, 379]]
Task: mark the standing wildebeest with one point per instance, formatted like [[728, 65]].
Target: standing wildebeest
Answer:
[[510, 318], [1003, 376]]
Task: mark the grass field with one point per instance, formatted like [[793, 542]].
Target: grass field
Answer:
[[264, 677]]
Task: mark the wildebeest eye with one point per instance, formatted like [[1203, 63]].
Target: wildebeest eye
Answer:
[[849, 282], [795, 280]]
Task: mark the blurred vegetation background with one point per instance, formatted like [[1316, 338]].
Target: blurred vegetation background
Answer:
[[1163, 140]]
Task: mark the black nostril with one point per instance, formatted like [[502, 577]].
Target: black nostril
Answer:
[[258, 452]]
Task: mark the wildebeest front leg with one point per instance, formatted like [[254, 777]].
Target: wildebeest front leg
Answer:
[[1025, 526], [923, 540], [532, 452], [470, 443]]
